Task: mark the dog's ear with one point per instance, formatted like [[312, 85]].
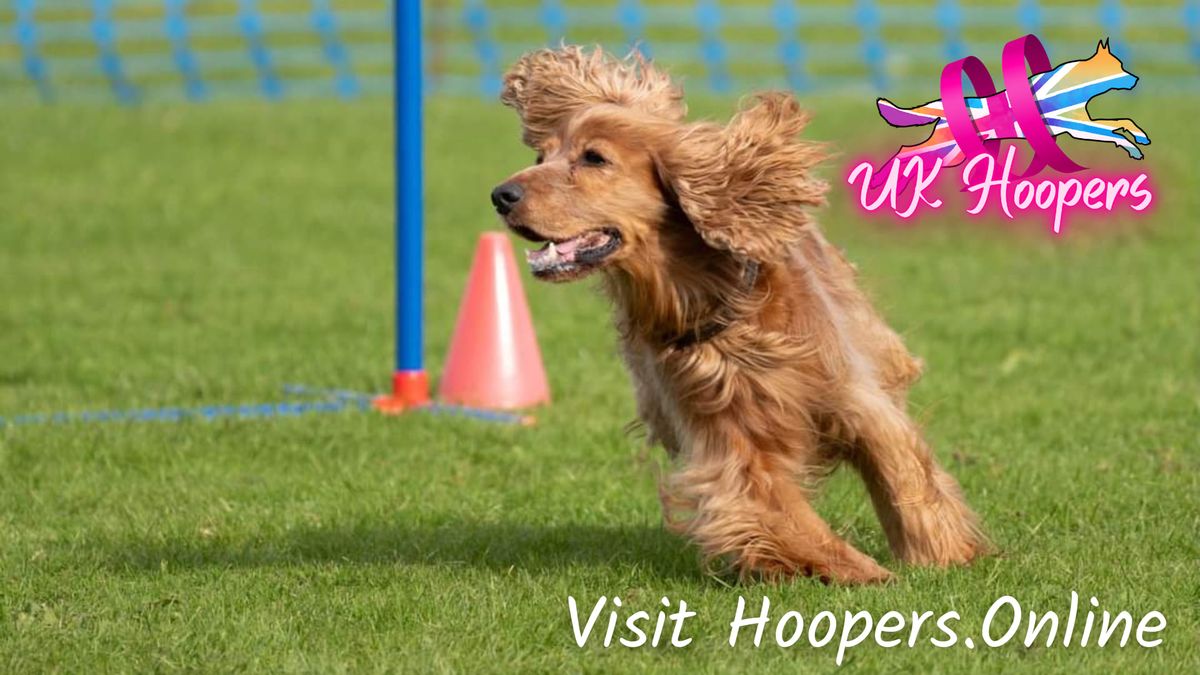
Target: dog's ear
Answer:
[[746, 187], [547, 86]]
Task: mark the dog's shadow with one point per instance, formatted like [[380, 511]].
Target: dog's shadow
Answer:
[[499, 546]]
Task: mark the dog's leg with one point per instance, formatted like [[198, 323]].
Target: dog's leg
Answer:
[[1139, 136], [743, 504], [1099, 130], [922, 509]]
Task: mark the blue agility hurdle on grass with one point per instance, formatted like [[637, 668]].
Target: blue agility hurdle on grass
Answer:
[[410, 384], [145, 50], [151, 50]]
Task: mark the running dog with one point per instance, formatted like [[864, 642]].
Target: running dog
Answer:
[[757, 361]]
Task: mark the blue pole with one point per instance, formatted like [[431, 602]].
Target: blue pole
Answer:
[[181, 51], [409, 382], [251, 21], [27, 36], [103, 32]]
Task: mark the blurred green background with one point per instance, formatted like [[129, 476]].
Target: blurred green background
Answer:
[[82, 50]]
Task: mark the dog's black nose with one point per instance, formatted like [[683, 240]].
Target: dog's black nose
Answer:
[[505, 197]]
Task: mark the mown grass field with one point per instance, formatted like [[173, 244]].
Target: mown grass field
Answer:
[[211, 254]]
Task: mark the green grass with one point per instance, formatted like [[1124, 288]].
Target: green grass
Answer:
[[195, 255]]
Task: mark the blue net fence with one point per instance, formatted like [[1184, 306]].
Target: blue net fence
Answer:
[[153, 50]]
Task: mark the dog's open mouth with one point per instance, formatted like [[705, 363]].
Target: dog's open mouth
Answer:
[[570, 258]]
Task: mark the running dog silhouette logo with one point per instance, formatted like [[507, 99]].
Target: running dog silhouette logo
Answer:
[[1034, 108]]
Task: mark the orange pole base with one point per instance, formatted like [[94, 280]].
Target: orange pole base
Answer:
[[410, 389]]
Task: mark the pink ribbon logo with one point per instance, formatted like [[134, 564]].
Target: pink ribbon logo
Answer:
[[1021, 105], [1038, 105], [1034, 106]]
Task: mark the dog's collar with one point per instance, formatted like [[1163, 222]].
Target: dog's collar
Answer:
[[723, 320]]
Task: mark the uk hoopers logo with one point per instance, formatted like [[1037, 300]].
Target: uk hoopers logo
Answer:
[[1031, 108]]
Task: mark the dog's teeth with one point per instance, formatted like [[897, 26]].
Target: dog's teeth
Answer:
[[553, 252]]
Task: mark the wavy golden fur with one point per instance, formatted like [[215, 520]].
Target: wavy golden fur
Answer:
[[756, 384]]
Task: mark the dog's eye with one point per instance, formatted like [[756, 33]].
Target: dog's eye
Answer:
[[540, 158], [593, 158]]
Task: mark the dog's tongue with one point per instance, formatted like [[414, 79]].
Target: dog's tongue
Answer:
[[567, 249], [554, 253], [549, 255]]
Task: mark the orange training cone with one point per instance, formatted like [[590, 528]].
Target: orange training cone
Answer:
[[494, 360]]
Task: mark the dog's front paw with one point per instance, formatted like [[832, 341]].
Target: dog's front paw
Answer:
[[862, 572], [848, 568]]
